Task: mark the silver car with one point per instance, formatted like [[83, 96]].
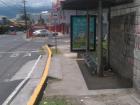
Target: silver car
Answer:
[[42, 32]]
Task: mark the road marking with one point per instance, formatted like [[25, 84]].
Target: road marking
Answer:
[[14, 55], [37, 90], [6, 52], [10, 98], [35, 51], [19, 52], [27, 55]]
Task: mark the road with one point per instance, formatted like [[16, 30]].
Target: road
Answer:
[[15, 51]]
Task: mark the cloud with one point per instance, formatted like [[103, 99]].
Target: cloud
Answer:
[[9, 2], [31, 3], [12, 7], [39, 3]]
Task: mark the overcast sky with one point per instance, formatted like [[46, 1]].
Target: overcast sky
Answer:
[[12, 7], [31, 3]]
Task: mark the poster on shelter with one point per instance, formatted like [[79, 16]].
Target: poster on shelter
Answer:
[[80, 40]]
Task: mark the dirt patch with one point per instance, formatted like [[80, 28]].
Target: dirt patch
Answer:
[[61, 100], [103, 99]]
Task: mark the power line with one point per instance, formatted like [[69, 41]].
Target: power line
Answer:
[[5, 4], [11, 7]]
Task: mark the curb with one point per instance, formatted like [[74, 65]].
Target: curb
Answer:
[[33, 99]]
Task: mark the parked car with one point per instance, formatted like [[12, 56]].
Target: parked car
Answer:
[[42, 32], [54, 33]]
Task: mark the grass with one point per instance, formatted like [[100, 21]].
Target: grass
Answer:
[[42, 50], [105, 46], [54, 101], [55, 52]]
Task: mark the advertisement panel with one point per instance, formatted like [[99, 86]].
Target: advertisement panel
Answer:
[[83, 33]]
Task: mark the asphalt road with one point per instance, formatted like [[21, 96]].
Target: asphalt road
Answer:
[[15, 51]]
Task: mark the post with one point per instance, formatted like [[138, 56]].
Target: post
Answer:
[[55, 38], [100, 45], [108, 37], [87, 38], [25, 13], [56, 43]]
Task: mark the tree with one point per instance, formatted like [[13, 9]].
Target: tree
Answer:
[[23, 17], [5, 20], [41, 20]]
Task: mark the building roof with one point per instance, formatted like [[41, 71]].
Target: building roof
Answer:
[[91, 4]]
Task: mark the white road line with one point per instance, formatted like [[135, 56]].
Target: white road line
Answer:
[[14, 55], [33, 51], [27, 55], [22, 83], [19, 52], [6, 52]]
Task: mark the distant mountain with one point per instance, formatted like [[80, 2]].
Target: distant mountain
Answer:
[[13, 10]]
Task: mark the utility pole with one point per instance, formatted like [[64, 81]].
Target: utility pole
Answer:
[[25, 13]]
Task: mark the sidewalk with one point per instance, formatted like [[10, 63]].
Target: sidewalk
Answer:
[[69, 84]]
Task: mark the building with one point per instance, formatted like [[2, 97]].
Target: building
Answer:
[[62, 17], [123, 35], [125, 58], [4, 20], [35, 17]]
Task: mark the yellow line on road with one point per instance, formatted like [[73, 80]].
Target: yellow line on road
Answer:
[[37, 90]]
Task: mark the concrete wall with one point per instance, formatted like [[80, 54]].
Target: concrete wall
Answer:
[[125, 41]]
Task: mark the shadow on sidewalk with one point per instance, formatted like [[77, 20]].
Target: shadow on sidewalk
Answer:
[[108, 82]]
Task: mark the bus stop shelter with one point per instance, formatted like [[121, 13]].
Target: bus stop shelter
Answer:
[[96, 5]]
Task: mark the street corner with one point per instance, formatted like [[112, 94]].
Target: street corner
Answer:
[[39, 89]]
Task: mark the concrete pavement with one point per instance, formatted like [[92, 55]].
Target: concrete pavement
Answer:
[[72, 86]]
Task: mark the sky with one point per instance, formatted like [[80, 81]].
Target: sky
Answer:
[[38, 3], [32, 3], [11, 7]]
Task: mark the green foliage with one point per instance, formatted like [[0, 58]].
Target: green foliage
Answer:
[[3, 29], [20, 28], [105, 46], [54, 101], [55, 52], [79, 42], [23, 17]]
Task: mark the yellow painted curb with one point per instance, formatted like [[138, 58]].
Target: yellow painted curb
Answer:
[[37, 90]]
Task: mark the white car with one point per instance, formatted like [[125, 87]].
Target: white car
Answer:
[[42, 32]]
